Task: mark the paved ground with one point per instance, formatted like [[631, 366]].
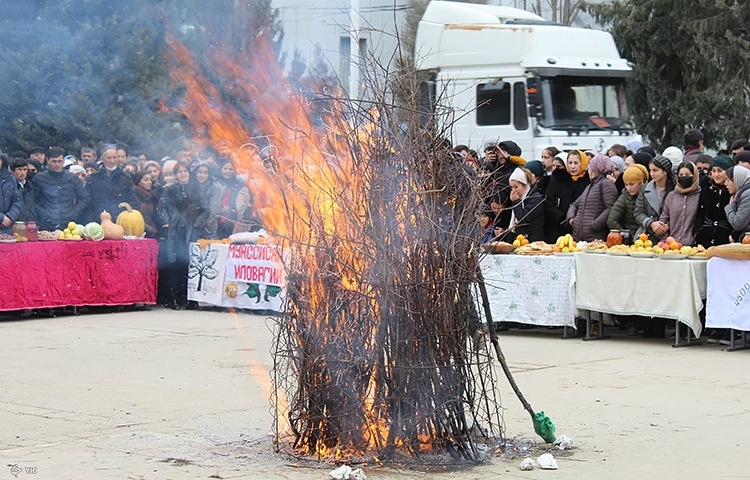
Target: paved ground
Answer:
[[172, 395]]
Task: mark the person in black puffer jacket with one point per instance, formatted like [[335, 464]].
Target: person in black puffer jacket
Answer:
[[109, 187], [10, 202], [59, 196]]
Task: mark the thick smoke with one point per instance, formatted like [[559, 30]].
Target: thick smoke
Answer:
[[86, 72]]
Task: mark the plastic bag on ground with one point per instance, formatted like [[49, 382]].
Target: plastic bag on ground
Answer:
[[527, 464], [547, 462]]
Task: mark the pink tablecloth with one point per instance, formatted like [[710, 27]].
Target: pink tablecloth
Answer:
[[68, 273]]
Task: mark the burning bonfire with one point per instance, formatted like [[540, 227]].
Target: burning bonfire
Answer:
[[374, 358]]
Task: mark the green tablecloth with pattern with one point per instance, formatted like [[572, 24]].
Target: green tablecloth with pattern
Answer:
[[537, 290]]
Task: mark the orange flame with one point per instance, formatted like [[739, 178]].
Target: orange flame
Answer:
[[306, 198]]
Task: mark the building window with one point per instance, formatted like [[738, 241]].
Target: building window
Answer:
[[520, 112], [345, 58]]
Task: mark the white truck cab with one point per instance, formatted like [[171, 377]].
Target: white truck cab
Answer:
[[508, 74]]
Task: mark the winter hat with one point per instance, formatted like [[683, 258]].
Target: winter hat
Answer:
[[68, 161], [724, 162], [76, 169], [511, 147], [601, 164], [617, 160], [743, 156], [642, 158], [516, 160], [633, 145], [536, 167], [647, 149], [674, 154], [38, 150], [635, 173], [519, 176], [91, 165], [590, 153], [664, 163]]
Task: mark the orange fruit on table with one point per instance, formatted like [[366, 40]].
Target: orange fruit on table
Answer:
[[670, 240], [643, 237], [525, 241], [674, 246]]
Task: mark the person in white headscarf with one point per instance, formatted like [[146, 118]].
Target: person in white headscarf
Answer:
[[675, 155], [738, 210], [527, 206]]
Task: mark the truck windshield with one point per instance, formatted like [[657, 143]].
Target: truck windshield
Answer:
[[584, 103]]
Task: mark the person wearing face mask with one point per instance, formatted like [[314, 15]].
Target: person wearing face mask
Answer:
[[680, 207], [738, 209], [650, 198], [703, 163], [109, 186], [711, 221]]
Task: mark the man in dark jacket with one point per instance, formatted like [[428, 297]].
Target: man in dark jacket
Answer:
[[109, 187], [25, 189], [59, 195], [10, 203]]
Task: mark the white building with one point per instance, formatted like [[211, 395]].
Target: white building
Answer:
[[344, 30]]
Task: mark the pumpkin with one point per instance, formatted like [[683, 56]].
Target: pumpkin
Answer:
[[131, 221], [112, 231]]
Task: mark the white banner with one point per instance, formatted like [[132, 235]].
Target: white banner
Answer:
[[240, 276], [254, 278], [206, 273]]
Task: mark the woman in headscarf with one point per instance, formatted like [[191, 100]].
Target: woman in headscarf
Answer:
[[681, 205], [232, 185], [527, 217], [588, 214], [616, 176], [204, 201], [564, 187], [146, 200], [711, 220], [649, 203], [738, 210], [176, 221]]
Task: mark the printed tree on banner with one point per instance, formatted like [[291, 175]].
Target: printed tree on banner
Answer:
[[202, 264]]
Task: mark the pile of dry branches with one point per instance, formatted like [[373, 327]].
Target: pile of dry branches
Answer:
[[374, 355]]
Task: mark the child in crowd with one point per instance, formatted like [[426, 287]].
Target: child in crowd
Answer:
[[622, 215]]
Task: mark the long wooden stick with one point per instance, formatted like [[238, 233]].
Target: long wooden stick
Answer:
[[496, 344]]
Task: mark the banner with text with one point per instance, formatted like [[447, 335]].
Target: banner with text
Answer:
[[251, 277]]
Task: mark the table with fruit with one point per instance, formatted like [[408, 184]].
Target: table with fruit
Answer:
[[82, 265]]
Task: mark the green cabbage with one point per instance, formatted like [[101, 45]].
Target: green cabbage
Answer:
[[93, 231]]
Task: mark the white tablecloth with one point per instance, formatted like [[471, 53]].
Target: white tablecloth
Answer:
[[538, 290], [728, 299], [650, 287]]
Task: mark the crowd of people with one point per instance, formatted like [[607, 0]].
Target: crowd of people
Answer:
[[181, 200], [686, 194]]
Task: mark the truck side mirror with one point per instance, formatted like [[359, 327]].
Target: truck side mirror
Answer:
[[534, 97]]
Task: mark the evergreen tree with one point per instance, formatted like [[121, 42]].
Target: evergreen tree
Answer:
[[692, 66], [93, 71]]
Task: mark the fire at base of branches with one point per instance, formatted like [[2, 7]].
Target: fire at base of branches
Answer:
[[374, 355]]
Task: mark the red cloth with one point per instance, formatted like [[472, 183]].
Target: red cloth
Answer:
[[66, 273]]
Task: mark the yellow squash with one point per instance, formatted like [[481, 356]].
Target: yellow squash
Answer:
[[131, 221]]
